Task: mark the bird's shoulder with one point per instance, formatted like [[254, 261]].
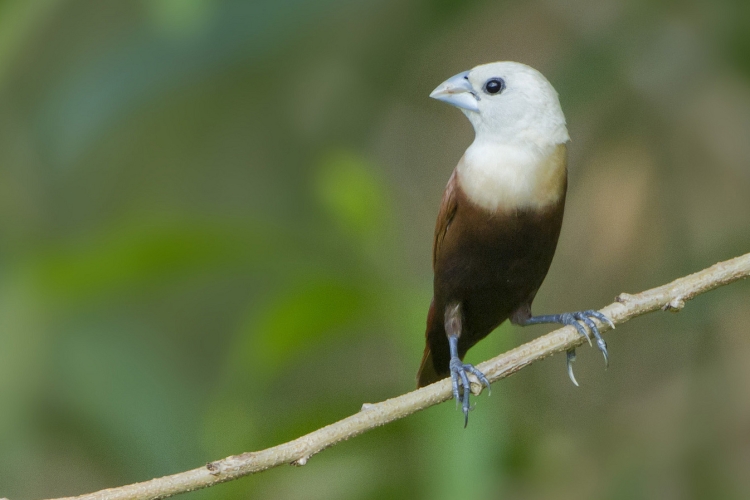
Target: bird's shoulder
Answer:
[[448, 208]]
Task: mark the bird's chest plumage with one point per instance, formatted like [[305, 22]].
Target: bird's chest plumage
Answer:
[[493, 262]]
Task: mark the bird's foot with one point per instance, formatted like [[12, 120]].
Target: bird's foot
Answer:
[[579, 320], [462, 385]]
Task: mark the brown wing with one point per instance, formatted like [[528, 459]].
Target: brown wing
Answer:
[[427, 372], [448, 207]]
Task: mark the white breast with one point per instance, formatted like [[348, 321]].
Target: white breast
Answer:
[[501, 177]]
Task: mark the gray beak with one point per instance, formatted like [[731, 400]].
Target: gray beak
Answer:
[[457, 91]]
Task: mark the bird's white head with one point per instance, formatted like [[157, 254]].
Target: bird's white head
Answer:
[[507, 102]]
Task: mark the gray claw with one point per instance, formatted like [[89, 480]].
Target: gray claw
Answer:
[[589, 322], [467, 392], [460, 377], [571, 319], [482, 379], [603, 348], [585, 317], [454, 379], [570, 357], [578, 320], [601, 317]]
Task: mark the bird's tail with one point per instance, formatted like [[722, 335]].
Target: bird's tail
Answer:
[[427, 373]]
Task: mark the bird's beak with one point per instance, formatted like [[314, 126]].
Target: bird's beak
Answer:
[[457, 91]]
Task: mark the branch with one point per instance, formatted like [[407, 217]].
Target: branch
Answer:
[[670, 297]]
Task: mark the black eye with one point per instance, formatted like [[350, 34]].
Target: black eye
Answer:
[[494, 85]]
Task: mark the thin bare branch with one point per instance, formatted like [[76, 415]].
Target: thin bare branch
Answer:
[[670, 297]]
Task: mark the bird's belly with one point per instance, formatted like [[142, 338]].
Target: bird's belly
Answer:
[[494, 263]]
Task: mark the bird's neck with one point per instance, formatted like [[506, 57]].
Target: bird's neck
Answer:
[[499, 176]]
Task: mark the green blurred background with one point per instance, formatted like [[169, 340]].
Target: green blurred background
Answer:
[[215, 235]]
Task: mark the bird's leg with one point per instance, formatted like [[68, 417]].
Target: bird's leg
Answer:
[[577, 320], [458, 368]]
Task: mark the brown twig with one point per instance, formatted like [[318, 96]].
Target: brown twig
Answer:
[[670, 297]]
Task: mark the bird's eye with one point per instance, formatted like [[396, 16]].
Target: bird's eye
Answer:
[[494, 86]]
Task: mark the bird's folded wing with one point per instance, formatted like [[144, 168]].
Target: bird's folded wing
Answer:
[[448, 207]]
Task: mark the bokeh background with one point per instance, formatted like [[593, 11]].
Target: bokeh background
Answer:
[[216, 222]]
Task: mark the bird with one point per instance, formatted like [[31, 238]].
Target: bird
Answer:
[[499, 220]]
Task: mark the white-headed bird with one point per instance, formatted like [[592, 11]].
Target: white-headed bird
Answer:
[[499, 219]]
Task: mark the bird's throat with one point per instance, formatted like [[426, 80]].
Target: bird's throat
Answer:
[[499, 177]]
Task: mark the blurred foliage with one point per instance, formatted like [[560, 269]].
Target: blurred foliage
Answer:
[[216, 223]]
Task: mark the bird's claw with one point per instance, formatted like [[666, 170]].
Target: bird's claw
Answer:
[[480, 376], [583, 322], [462, 385], [570, 357], [575, 319], [578, 320]]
